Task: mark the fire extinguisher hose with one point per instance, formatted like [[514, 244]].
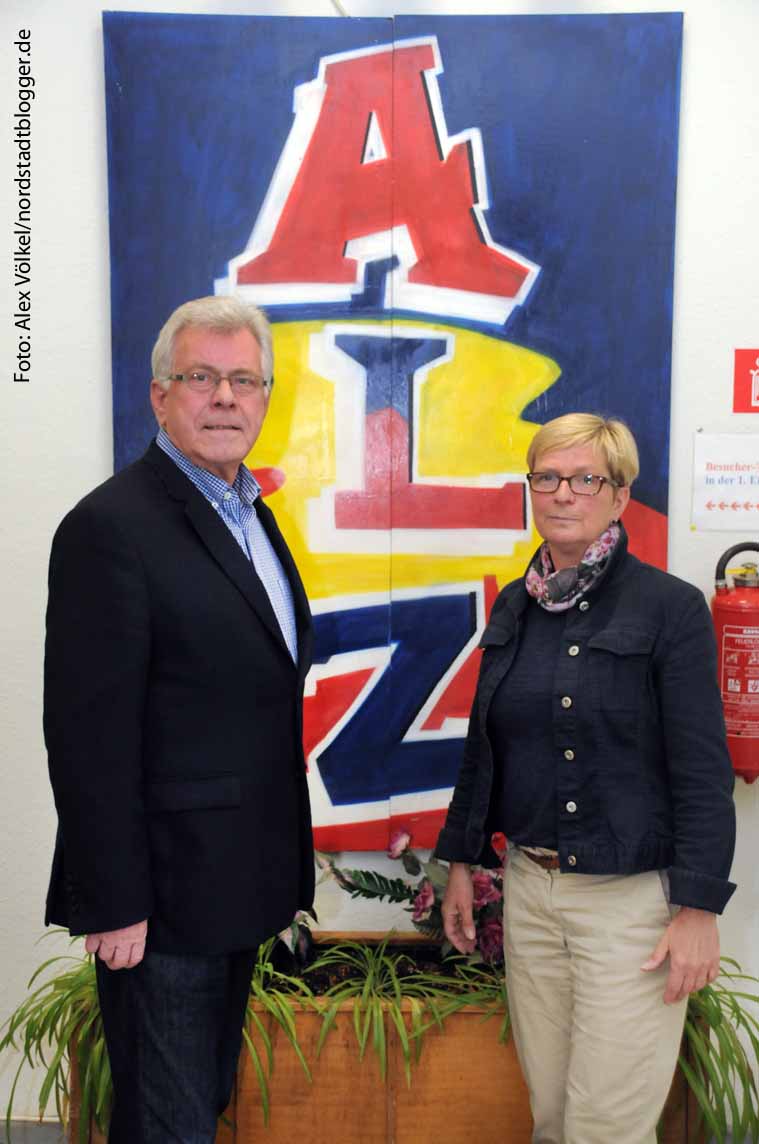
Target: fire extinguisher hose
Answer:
[[746, 546]]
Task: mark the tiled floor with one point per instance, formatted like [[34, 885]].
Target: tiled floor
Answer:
[[29, 1132]]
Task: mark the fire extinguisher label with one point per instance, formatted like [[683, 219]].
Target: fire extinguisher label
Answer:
[[739, 673]]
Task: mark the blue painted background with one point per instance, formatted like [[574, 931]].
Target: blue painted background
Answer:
[[579, 122]]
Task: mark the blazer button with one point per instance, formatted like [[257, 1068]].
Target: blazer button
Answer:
[[571, 860], [574, 650], [566, 701], [571, 807], [569, 754], [583, 605]]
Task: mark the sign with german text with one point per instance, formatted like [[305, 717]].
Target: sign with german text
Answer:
[[726, 482]]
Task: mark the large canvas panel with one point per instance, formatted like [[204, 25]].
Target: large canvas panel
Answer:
[[460, 227]]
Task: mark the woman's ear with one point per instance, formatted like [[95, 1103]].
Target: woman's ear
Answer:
[[621, 501]]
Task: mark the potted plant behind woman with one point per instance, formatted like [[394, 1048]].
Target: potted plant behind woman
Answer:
[[294, 1073]]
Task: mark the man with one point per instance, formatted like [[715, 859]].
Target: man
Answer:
[[178, 640]]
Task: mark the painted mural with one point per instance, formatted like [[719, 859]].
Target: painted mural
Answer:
[[460, 227]]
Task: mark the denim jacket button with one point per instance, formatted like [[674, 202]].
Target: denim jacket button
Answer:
[[571, 807], [573, 650], [569, 754], [571, 860], [566, 701], [583, 605]]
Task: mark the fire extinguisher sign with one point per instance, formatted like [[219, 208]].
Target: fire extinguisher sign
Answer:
[[739, 670]]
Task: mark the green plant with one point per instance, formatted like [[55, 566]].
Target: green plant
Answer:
[[718, 1067], [381, 984], [277, 993], [376, 982], [62, 1014]]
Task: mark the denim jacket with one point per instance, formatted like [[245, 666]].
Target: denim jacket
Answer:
[[644, 779]]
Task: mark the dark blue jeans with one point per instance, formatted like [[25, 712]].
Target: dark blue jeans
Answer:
[[173, 1028]]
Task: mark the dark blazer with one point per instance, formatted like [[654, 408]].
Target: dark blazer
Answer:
[[644, 779], [173, 720]]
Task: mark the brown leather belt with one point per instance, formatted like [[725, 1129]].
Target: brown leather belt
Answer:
[[547, 861]]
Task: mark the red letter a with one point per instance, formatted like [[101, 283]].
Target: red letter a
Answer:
[[368, 171]]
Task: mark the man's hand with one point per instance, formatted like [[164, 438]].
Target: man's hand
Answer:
[[691, 941], [458, 921], [119, 948]]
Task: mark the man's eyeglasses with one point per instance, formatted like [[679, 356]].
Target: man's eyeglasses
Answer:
[[204, 380], [582, 484]]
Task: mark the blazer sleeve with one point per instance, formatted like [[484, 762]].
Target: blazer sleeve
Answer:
[[97, 655], [698, 764]]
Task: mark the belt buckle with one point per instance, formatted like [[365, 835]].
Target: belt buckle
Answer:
[[545, 861]]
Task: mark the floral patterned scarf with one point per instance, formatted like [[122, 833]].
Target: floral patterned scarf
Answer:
[[559, 591]]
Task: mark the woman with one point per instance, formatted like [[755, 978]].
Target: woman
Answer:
[[596, 744]]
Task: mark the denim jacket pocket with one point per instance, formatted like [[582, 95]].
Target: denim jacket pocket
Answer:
[[619, 661], [498, 632], [498, 645]]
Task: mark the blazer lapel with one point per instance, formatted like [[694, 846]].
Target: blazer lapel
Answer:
[[219, 541], [300, 600], [227, 552]]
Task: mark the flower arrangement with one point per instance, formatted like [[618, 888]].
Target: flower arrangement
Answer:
[[58, 1025], [423, 890]]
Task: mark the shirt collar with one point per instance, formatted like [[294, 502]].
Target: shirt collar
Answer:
[[212, 487], [246, 485]]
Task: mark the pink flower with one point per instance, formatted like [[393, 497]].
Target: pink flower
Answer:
[[485, 890], [423, 902], [490, 939], [399, 841], [498, 842]]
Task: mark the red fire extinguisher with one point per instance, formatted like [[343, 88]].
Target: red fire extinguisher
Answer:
[[736, 619]]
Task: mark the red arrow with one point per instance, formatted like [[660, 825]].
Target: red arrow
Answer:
[[747, 505], [710, 505], [722, 505], [734, 506]]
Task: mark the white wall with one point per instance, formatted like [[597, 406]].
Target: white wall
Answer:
[[57, 435]]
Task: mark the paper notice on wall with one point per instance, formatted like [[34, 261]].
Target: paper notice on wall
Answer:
[[726, 482]]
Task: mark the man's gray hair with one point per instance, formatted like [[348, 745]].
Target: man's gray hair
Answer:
[[224, 313]]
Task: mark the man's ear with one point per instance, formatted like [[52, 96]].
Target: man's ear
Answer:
[[158, 397]]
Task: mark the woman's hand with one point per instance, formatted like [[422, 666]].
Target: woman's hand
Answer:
[[456, 909], [691, 941]]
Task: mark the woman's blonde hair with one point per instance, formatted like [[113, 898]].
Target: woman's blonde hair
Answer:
[[610, 437]]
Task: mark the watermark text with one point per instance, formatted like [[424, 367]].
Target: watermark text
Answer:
[[22, 217]]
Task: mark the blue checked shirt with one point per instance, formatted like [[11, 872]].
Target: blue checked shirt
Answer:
[[235, 505]]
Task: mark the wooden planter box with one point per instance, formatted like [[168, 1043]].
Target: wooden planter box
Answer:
[[464, 1083], [463, 1080]]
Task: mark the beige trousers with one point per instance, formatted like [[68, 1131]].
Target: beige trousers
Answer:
[[597, 1045]]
